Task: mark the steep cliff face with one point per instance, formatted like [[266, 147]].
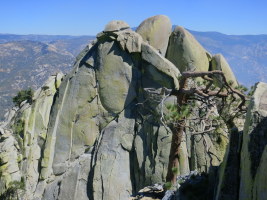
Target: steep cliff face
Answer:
[[23, 137], [98, 132], [243, 175], [253, 153]]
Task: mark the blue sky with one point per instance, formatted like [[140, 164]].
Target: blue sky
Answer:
[[87, 17]]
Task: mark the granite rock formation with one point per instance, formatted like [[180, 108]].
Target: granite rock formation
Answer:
[[156, 31], [242, 175], [97, 133], [186, 53]]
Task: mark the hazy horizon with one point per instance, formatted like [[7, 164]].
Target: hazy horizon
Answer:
[[208, 31]]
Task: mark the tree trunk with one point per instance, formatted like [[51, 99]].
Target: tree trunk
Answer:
[[174, 154], [182, 94], [177, 134]]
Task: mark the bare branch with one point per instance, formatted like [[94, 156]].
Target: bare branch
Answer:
[[202, 132], [201, 74], [205, 92], [231, 104]]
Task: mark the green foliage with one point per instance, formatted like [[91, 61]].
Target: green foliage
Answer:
[[176, 113], [175, 170], [22, 96], [167, 186], [205, 82], [241, 88], [252, 90], [216, 117], [180, 78], [230, 82], [13, 189], [18, 127], [185, 111], [212, 87]]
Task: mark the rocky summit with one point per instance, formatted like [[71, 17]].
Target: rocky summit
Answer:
[[98, 133]]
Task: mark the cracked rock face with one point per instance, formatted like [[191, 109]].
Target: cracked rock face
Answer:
[[242, 175], [253, 152], [97, 133]]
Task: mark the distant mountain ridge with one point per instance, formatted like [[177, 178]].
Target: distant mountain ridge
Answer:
[[41, 38], [28, 60], [246, 54]]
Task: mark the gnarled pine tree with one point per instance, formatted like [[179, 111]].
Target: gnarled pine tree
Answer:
[[214, 88]]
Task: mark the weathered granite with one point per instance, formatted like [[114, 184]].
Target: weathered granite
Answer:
[[185, 52], [254, 145], [115, 68], [100, 132], [9, 161], [116, 25], [242, 173], [156, 31], [218, 62]]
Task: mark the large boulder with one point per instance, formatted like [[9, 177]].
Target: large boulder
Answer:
[[158, 68], [185, 52], [116, 77], [156, 31], [218, 62], [130, 41], [116, 25]]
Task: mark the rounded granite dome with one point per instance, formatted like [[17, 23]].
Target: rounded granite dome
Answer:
[[156, 31], [116, 25]]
